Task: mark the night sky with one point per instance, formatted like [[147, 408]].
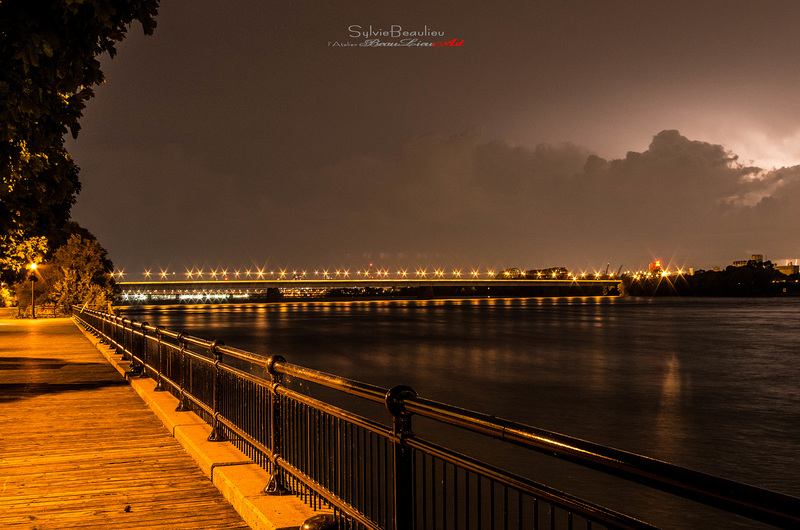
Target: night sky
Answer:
[[559, 133]]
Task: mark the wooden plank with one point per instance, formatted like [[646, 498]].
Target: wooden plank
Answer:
[[80, 449]]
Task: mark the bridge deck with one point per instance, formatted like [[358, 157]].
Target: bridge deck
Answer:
[[79, 448]]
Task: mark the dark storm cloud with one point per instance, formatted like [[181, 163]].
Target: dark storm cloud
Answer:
[[463, 196]]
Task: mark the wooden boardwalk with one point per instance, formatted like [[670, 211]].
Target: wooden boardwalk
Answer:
[[79, 448]]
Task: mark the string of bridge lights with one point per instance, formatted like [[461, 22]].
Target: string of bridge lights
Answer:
[[345, 274]]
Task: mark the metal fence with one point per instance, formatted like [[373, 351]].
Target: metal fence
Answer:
[[379, 474]]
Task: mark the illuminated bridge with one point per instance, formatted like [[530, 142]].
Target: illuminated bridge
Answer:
[[222, 290]]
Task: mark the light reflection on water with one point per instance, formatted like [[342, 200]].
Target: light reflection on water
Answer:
[[707, 384]]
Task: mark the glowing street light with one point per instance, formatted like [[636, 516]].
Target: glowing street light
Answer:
[[33, 293]]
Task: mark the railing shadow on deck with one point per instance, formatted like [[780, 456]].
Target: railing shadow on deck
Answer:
[[379, 474]]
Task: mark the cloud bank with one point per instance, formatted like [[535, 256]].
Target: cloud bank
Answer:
[[458, 197]]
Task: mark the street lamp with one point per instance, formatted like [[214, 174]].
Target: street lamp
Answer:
[[33, 293]]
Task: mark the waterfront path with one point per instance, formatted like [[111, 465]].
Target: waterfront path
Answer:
[[80, 449]]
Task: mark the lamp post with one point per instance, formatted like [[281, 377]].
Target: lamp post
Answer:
[[33, 293]]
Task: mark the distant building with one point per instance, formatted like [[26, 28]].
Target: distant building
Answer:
[[754, 258], [787, 269], [510, 273], [655, 266]]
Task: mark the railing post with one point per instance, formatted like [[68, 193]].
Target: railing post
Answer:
[[216, 431], [143, 350], [182, 405], [127, 339], [141, 366], [276, 441], [159, 387], [403, 464]]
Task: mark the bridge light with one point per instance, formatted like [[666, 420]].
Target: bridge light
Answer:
[[474, 274], [163, 274]]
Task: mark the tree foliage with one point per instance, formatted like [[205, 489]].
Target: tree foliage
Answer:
[[49, 63], [78, 273], [19, 254], [84, 274]]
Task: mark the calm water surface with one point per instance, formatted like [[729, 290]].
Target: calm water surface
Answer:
[[709, 384]]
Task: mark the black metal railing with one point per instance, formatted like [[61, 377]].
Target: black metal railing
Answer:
[[378, 474]]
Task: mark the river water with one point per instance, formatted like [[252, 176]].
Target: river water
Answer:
[[708, 384]]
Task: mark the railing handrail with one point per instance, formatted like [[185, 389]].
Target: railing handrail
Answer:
[[735, 497]]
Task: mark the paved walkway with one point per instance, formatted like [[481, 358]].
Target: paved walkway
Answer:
[[79, 448]]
